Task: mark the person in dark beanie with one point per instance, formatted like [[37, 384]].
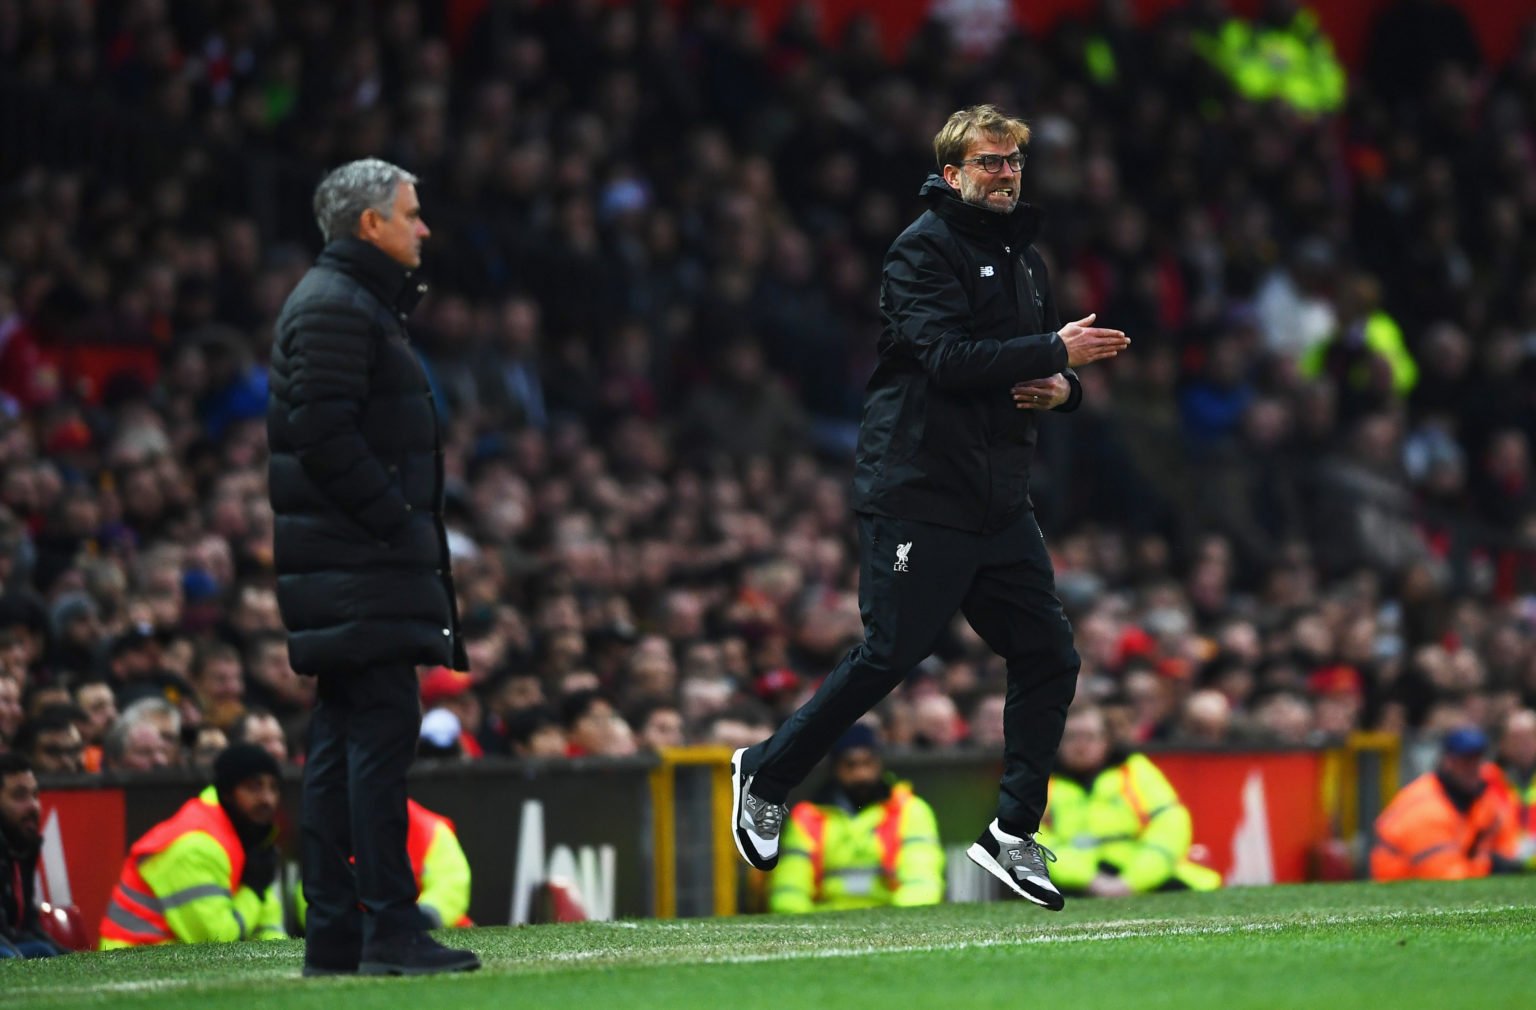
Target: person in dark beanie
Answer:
[[864, 841], [364, 583], [973, 350], [205, 875], [21, 840]]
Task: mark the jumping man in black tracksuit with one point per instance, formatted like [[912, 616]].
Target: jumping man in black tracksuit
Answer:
[[972, 346]]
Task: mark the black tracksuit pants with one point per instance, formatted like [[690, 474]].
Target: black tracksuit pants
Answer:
[[913, 577], [362, 739]]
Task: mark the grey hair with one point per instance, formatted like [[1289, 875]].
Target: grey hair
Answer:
[[115, 744], [343, 195], [146, 709]]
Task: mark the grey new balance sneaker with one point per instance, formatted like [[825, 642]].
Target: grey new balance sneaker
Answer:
[[755, 822], [1019, 863]]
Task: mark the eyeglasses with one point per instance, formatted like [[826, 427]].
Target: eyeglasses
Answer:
[[993, 163]]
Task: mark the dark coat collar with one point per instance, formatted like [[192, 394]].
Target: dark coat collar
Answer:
[[1017, 228], [373, 268]]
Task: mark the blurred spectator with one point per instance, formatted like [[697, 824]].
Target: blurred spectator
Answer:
[[192, 856], [593, 727], [657, 725], [739, 725], [1114, 822], [449, 690], [1281, 55], [441, 735], [986, 722], [259, 727], [219, 682], [206, 747], [11, 713], [272, 683], [134, 745], [51, 741], [936, 722], [75, 634], [1283, 717], [21, 930], [1206, 718], [829, 863], [537, 732], [95, 699], [1455, 822], [166, 720], [1517, 756]]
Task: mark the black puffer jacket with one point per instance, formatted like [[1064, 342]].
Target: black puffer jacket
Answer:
[[968, 313], [357, 473]]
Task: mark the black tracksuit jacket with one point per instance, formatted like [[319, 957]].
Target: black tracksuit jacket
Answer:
[[968, 313]]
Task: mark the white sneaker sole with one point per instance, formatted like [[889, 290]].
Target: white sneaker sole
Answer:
[[736, 782], [982, 858]]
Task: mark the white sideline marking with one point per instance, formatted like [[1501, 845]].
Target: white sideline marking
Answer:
[[1087, 932]]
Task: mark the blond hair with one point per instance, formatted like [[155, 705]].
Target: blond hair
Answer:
[[962, 129]]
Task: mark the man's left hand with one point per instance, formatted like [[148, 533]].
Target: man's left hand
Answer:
[[1042, 394]]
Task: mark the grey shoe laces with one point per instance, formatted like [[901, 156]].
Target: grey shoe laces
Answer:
[[1034, 849], [767, 818]]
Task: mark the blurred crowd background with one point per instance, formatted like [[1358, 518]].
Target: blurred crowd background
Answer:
[[1302, 505]]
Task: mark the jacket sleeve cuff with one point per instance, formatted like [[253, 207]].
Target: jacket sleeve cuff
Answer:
[[1074, 398]]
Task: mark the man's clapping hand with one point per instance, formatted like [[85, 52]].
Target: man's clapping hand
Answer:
[[1087, 343]]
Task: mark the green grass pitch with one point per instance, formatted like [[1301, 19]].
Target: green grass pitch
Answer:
[[1382, 947]]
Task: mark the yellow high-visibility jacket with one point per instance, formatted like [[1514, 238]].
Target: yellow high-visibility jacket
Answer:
[[1525, 799], [1131, 820], [439, 865], [441, 869], [1295, 64], [886, 854], [1384, 337], [181, 884]]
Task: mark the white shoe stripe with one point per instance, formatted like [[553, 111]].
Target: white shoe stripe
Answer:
[[982, 858]]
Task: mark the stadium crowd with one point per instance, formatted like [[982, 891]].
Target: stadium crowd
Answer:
[[1302, 505]]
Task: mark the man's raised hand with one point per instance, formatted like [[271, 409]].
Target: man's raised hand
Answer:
[[1087, 343]]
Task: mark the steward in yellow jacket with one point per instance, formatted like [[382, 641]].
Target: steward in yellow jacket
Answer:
[[1517, 756], [1114, 822], [442, 872], [205, 875], [1284, 56], [866, 842], [439, 865]]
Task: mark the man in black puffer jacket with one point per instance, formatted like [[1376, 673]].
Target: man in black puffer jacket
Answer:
[[972, 347], [362, 561]]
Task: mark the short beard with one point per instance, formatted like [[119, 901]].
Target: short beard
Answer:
[[973, 194]]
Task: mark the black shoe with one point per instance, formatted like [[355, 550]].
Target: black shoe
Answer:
[[322, 970], [322, 958], [1019, 863], [414, 954]]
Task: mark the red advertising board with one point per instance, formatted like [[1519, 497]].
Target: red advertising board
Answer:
[[1259, 816], [83, 848]]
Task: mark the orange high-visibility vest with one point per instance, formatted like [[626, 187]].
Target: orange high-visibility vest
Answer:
[[1421, 835], [135, 915], [813, 821]]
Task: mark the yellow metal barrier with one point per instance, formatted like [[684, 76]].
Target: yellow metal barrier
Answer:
[[664, 826], [1341, 781]]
